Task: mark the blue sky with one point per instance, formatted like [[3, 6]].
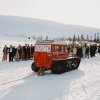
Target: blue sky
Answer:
[[78, 12]]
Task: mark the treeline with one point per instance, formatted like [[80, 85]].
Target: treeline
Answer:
[[94, 38]]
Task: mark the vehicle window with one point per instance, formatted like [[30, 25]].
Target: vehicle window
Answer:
[[43, 48], [56, 48], [66, 49], [59, 49]]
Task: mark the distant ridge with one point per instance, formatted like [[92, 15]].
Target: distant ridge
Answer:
[[32, 26]]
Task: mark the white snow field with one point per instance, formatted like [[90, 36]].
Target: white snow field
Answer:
[[18, 82]]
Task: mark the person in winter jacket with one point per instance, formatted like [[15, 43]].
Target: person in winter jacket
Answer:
[[5, 51], [32, 50], [10, 50], [99, 49], [28, 51], [25, 52], [74, 50], [87, 52], [20, 51], [70, 49], [17, 54], [83, 51], [79, 52]]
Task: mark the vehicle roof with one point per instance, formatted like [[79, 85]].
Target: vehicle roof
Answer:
[[51, 42]]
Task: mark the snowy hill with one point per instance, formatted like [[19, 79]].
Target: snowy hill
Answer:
[[30, 26]]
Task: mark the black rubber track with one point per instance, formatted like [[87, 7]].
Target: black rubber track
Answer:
[[59, 67]]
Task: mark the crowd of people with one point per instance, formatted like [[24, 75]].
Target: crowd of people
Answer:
[[84, 51], [13, 53], [26, 52]]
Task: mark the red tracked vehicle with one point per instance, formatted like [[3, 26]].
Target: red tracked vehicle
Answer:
[[54, 56]]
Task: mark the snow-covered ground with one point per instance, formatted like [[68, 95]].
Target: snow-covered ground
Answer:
[[18, 82]]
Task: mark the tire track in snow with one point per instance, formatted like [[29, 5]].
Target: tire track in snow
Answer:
[[17, 79]]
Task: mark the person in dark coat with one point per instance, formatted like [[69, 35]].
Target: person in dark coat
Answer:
[[95, 49], [79, 52], [99, 49], [20, 51], [91, 51], [32, 51], [11, 53], [25, 52], [14, 51], [28, 51], [22, 55]]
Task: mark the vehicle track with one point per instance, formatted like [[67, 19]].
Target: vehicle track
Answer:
[[12, 81]]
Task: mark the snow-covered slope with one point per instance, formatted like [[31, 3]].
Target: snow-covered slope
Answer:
[[18, 82], [31, 26]]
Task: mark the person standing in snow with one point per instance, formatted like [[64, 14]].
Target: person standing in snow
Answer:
[[28, 51], [25, 52], [87, 52], [83, 50], [17, 54], [79, 51], [20, 51], [74, 50], [10, 50], [32, 50], [99, 49], [14, 51], [70, 49], [91, 50], [95, 49], [5, 50]]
